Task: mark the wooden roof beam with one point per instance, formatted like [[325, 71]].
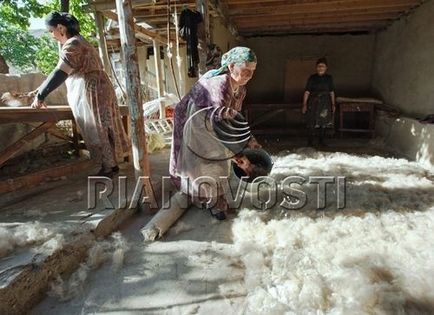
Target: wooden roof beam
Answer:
[[314, 5], [396, 11], [111, 4], [324, 28], [152, 35], [365, 6], [288, 20]]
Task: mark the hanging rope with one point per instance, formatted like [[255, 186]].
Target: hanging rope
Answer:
[[114, 72], [169, 51], [178, 56]]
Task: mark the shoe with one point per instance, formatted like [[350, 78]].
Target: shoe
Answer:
[[218, 214]]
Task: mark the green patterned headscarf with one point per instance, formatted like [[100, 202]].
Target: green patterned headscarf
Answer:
[[236, 55]]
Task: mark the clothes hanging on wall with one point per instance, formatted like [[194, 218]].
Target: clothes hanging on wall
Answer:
[[188, 25]]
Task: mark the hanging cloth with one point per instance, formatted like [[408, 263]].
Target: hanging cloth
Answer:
[[188, 23]]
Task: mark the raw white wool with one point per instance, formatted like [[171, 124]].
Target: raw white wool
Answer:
[[120, 247], [373, 183], [376, 257], [23, 234], [101, 252], [344, 265]]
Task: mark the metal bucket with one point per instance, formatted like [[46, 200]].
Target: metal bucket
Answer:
[[260, 159]]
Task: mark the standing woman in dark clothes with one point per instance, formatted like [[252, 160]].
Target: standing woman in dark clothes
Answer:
[[319, 102]]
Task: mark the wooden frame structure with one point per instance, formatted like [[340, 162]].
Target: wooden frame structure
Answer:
[[268, 17], [43, 120]]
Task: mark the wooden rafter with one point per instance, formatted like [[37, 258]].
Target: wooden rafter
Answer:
[[150, 34], [253, 17]]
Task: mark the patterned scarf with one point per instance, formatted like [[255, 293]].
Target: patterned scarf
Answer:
[[236, 55]]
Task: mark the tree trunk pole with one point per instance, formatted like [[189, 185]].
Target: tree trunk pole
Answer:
[[132, 77], [102, 43]]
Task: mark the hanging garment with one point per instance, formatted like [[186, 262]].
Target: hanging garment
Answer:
[[188, 23]]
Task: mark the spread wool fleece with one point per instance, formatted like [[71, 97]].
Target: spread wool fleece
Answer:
[[375, 262]]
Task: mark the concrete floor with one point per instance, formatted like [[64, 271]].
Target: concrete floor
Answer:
[[59, 211]]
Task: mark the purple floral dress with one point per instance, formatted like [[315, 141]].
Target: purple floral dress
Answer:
[[196, 150]]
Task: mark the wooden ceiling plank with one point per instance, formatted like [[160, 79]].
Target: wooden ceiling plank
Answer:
[[302, 21], [286, 9], [396, 11], [330, 4], [342, 27], [289, 17]]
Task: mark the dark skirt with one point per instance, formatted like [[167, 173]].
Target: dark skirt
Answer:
[[319, 111]]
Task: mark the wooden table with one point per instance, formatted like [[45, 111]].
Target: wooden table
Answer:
[[357, 107], [43, 120]]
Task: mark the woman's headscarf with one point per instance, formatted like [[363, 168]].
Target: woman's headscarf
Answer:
[[236, 55], [68, 20]]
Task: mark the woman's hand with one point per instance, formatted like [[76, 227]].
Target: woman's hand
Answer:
[[38, 104], [253, 144], [243, 162], [333, 108], [304, 109]]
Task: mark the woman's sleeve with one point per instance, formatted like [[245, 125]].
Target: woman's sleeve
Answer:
[[309, 85], [331, 84], [71, 54]]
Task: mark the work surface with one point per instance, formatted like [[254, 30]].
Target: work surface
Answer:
[[51, 114]]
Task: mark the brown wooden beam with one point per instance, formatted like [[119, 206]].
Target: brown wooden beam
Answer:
[[315, 6], [309, 29], [284, 20], [102, 44], [342, 10], [52, 173], [28, 114], [111, 5], [16, 147], [139, 29], [317, 18], [133, 87], [52, 113]]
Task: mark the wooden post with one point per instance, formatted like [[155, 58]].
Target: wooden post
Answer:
[[134, 97], [64, 5], [102, 43], [203, 35], [159, 77]]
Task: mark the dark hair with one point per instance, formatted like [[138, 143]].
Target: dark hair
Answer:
[[68, 20], [322, 60]]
